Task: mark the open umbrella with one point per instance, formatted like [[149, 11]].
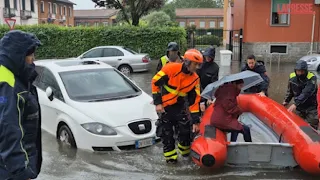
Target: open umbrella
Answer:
[[250, 79]]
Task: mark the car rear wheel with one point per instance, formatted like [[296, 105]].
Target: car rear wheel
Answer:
[[66, 137], [125, 69]]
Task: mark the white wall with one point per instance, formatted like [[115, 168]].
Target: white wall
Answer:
[[33, 20]]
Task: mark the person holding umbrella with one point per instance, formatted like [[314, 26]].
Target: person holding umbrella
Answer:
[[226, 109]]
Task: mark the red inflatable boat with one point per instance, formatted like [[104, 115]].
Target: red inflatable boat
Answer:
[[209, 148]]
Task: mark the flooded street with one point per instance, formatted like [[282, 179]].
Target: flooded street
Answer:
[[62, 163]]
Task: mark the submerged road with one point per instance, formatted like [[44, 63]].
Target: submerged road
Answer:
[[63, 163]]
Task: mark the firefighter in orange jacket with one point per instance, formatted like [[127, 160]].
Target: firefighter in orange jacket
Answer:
[[171, 86]]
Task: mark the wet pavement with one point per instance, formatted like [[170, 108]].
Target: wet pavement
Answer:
[[147, 164]]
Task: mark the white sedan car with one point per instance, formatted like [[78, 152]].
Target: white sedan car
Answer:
[[313, 62], [120, 57], [90, 105]]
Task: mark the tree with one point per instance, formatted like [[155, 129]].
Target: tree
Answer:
[[131, 9], [158, 18], [198, 3], [170, 9]]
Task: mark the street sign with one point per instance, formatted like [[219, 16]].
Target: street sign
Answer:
[[11, 23]]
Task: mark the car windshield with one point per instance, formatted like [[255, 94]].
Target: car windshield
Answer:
[[130, 50], [98, 85]]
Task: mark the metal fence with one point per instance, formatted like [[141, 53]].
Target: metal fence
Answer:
[[203, 38]]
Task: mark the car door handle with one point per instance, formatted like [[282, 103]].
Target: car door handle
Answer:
[[119, 59]]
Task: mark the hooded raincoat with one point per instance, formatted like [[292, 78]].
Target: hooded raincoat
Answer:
[[226, 109], [20, 121]]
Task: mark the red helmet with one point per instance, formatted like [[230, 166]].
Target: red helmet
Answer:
[[193, 55]]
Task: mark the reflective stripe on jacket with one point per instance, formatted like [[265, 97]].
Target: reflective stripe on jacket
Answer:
[[304, 91], [171, 85]]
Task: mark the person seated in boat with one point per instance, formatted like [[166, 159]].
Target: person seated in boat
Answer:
[[258, 67], [302, 87], [226, 111]]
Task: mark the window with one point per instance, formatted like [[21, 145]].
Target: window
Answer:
[[98, 85], [32, 5], [212, 24], [278, 48], [130, 50], [69, 12], [39, 70], [182, 24], [96, 24], [221, 24], [49, 7], [202, 24], [6, 3], [94, 53], [54, 8], [64, 10], [105, 23], [279, 19], [15, 4], [42, 7], [47, 79], [191, 23], [313, 59], [23, 2], [61, 10], [110, 52]]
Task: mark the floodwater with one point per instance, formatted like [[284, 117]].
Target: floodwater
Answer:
[[148, 164]]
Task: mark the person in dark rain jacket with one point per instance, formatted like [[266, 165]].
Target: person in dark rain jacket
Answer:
[[208, 73], [226, 111], [258, 67], [20, 120], [302, 87]]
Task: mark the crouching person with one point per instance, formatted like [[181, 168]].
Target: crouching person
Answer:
[[226, 111]]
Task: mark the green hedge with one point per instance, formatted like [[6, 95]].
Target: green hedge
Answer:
[[209, 40], [64, 42]]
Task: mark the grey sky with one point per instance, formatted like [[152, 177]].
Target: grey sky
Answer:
[[83, 4]]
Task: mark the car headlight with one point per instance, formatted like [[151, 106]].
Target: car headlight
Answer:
[[99, 129]]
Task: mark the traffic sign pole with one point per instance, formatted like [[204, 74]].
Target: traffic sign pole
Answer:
[[11, 23]]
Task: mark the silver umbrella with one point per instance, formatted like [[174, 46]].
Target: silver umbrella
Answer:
[[250, 79]]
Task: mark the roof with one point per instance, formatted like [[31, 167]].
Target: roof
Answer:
[[95, 13], [70, 65], [199, 12], [66, 1]]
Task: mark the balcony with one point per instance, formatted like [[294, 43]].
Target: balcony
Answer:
[[6, 12], [25, 15]]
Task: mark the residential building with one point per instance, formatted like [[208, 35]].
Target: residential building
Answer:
[[202, 18], [59, 12], [95, 17], [270, 34], [23, 11]]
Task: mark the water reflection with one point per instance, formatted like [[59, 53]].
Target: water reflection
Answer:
[[64, 163]]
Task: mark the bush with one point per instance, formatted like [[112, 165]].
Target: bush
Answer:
[[65, 42], [209, 40], [157, 18]]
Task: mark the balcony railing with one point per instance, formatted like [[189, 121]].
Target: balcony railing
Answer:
[[25, 14], [6, 12]]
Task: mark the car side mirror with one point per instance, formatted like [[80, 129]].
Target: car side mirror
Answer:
[[49, 93]]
